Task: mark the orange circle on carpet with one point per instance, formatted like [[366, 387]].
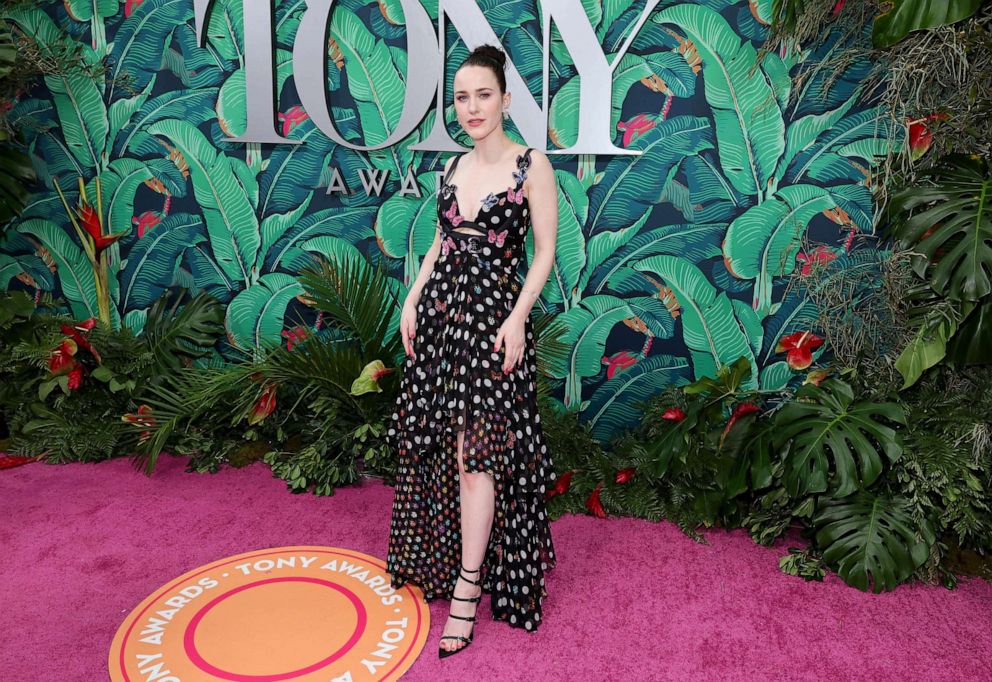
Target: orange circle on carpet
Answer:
[[288, 613]]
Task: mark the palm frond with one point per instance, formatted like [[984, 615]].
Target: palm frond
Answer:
[[360, 299]]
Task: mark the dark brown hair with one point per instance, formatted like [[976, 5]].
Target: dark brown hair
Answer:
[[492, 58]]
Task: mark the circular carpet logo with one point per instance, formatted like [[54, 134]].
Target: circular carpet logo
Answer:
[[288, 613]]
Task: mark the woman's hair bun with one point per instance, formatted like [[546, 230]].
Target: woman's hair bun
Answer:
[[492, 58], [492, 52]]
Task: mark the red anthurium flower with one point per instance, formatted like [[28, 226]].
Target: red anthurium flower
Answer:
[[74, 332], [265, 405], [143, 417], [292, 118], [673, 414], [61, 360], [618, 362], [625, 475], [838, 6], [821, 255], [11, 461], [594, 505], [76, 377], [145, 222], [91, 223], [739, 411], [800, 346], [635, 127], [561, 485], [920, 134]]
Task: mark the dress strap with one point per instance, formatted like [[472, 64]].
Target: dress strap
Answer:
[[451, 170], [523, 165]]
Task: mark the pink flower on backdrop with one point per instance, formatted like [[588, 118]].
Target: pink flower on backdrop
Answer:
[[130, 6], [821, 255], [145, 222], [618, 362], [292, 118], [635, 127]]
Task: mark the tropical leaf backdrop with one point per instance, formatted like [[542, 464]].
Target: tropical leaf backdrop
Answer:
[[670, 264]]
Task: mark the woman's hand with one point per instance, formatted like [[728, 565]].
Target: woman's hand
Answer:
[[408, 324], [511, 333]]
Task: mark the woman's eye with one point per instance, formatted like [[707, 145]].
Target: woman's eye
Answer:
[[484, 95]]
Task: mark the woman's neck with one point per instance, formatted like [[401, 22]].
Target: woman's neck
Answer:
[[492, 148]]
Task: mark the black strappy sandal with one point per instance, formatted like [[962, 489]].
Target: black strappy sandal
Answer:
[[441, 651]]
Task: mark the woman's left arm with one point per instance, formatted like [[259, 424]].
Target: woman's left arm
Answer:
[[542, 198]]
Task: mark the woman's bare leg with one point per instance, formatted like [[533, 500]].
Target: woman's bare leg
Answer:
[[477, 494]]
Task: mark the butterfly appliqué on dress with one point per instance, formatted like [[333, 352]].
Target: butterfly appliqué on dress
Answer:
[[452, 214], [497, 238], [523, 163], [515, 196], [488, 202], [447, 245]]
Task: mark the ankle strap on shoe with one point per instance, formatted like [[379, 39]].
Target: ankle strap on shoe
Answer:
[[468, 571]]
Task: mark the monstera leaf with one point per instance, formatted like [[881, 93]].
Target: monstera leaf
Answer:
[[710, 325], [224, 192], [176, 332], [618, 402], [872, 542], [836, 443], [750, 130], [956, 220], [913, 15], [762, 243]]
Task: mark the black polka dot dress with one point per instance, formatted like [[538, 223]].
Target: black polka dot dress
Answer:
[[455, 381]]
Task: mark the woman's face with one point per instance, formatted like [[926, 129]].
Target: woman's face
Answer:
[[477, 100]]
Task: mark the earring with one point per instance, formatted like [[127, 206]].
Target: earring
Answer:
[[506, 114]]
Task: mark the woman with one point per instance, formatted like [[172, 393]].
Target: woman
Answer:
[[466, 414]]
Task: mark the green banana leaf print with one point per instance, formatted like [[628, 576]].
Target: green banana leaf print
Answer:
[[670, 263]]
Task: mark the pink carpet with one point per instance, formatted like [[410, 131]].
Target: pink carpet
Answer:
[[630, 600]]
